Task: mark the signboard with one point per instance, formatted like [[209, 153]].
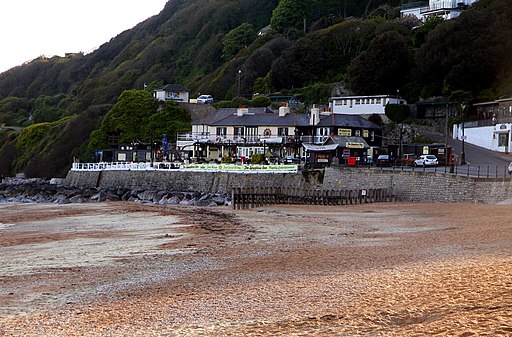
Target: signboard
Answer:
[[365, 133], [345, 132], [322, 158], [425, 149], [346, 153], [354, 145]]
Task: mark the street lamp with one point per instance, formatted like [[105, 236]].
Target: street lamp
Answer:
[[463, 153], [239, 81]]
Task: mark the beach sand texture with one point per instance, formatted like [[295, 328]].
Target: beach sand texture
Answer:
[[123, 269]]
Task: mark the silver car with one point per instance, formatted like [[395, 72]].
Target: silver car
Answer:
[[426, 160]]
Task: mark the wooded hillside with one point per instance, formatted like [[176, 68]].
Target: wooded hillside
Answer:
[[203, 44]]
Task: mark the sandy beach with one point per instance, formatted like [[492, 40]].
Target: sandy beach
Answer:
[[126, 269]]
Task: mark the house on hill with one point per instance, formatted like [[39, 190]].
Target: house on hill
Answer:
[[447, 9], [175, 92], [363, 105]]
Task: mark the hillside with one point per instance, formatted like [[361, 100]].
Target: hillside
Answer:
[[203, 44]]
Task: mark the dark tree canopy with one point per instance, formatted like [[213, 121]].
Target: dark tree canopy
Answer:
[[383, 67]]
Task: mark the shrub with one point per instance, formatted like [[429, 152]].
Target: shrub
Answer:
[[260, 101], [257, 158]]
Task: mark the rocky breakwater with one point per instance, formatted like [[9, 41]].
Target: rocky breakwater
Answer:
[[52, 191]]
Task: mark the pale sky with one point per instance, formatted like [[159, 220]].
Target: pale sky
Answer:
[[31, 28]]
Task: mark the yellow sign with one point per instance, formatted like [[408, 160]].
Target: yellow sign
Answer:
[[353, 145], [365, 133], [345, 132]]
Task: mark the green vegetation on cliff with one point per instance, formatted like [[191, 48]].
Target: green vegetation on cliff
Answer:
[[212, 47]]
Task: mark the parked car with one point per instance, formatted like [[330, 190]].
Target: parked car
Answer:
[[383, 160], [426, 160], [205, 99], [290, 160], [408, 159]]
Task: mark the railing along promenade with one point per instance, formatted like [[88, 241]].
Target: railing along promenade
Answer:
[[251, 197], [181, 167]]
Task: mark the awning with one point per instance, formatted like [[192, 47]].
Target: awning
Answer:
[[320, 148]]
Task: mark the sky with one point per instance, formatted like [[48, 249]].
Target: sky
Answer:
[[31, 28]]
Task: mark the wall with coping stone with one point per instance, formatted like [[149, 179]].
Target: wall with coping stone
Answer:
[[406, 186], [422, 186], [206, 182]]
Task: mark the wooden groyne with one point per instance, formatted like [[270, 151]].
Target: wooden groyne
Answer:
[[243, 198]]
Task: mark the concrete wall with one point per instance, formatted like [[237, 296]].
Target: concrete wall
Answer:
[[406, 186]]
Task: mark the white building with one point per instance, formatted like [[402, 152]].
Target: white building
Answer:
[[448, 9], [491, 137], [173, 92], [362, 105]]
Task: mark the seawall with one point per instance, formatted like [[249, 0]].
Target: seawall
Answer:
[[207, 182], [405, 185]]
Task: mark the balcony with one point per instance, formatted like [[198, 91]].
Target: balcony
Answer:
[[254, 140], [446, 5]]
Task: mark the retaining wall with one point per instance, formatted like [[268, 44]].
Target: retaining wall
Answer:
[[406, 186], [208, 182], [422, 186]]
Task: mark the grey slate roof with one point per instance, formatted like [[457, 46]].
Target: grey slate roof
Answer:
[[173, 87], [265, 117]]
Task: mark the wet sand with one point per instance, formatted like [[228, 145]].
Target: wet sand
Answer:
[[122, 269]]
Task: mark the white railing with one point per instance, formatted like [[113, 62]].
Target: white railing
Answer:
[[166, 166], [238, 139]]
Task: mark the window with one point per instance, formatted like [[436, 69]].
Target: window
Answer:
[[341, 102], [503, 139], [239, 131], [377, 101], [322, 131], [357, 102], [113, 139], [282, 131], [252, 131], [221, 131]]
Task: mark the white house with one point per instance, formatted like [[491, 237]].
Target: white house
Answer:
[[362, 105], [493, 130], [173, 92], [448, 9]]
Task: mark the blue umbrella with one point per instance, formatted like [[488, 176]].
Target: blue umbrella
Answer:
[[165, 145]]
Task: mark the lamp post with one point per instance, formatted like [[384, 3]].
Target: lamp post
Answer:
[[463, 153], [239, 82]]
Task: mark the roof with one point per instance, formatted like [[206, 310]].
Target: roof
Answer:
[[173, 87], [264, 117]]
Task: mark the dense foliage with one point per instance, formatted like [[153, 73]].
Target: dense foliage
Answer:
[[213, 47]]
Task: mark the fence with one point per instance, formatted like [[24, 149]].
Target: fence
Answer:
[[474, 171], [251, 197]]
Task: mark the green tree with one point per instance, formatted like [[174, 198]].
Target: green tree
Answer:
[[237, 39], [170, 120], [129, 116], [398, 113], [383, 68], [290, 14]]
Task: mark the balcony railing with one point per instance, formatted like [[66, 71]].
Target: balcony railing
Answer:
[[252, 139], [446, 4]]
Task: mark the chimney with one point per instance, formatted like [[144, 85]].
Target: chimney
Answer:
[[314, 116], [242, 111], [284, 109]]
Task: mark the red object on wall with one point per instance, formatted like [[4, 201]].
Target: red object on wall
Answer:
[[352, 161]]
